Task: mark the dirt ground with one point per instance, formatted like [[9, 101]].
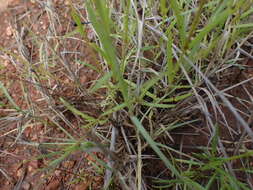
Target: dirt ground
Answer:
[[75, 172], [19, 165]]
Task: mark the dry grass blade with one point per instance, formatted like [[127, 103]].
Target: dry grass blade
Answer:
[[127, 94]]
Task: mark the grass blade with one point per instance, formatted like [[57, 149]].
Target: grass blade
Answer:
[[191, 184]]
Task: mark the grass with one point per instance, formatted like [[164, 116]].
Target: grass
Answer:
[[155, 61]]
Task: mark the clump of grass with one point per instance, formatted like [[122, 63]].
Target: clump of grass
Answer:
[[157, 60]]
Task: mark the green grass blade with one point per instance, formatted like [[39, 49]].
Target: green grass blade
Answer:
[[156, 105], [5, 92], [125, 33], [178, 11], [99, 84], [191, 184], [90, 66], [147, 85], [171, 69], [77, 112], [114, 109], [99, 16], [77, 19], [219, 19], [177, 98]]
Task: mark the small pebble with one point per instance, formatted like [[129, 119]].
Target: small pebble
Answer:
[[9, 31]]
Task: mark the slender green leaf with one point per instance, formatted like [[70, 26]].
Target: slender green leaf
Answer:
[[77, 112], [177, 9], [191, 184], [147, 85], [221, 18], [171, 70], [77, 19], [102, 81], [99, 16], [4, 90], [155, 105], [90, 66], [114, 109], [177, 98]]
